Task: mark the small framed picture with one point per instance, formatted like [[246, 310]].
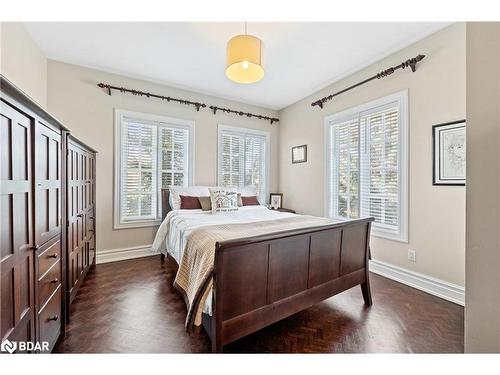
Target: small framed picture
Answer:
[[299, 154], [449, 153], [276, 200]]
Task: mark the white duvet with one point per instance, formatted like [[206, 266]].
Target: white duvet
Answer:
[[178, 224]]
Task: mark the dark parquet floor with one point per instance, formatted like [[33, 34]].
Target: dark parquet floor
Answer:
[[132, 307]]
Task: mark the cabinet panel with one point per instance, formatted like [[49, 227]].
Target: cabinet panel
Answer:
[[47, 183], [80, 215], [16, 239]]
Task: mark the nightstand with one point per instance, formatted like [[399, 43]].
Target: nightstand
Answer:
[[283, 210]]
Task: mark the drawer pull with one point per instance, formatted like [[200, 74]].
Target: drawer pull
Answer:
[[79, 215], [36, 247], [52, 256], [54, 318], [55, 281]]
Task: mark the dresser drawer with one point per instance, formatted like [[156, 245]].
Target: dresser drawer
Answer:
[[49, 282], [48, 255], [49, 319]]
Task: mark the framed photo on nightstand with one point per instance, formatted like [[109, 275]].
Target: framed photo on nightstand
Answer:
[[276, 200]]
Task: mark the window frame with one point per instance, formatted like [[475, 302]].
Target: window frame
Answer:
[[243, 131], [401, 98], [159, 122]]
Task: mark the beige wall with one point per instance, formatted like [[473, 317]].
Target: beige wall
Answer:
[[22, 62], [482, 303], [88, 111], [436, 95]]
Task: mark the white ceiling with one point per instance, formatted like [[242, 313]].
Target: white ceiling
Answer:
[[299, 58]]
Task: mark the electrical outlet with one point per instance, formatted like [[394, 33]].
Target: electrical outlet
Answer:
[[412, 255]]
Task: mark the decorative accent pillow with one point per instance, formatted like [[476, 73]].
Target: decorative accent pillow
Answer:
[[206, 203], [189, 203], [250, 201], [223, 199]]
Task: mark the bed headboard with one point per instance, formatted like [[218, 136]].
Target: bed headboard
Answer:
[[165, 203]]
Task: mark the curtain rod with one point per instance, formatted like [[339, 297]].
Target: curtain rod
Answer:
[[412, 63], [198, 105], [241, 113]]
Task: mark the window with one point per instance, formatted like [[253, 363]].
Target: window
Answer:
[[366, 150], [243, 159], [151, 152]]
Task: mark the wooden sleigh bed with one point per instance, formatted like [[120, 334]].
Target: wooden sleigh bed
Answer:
[[260, 280]]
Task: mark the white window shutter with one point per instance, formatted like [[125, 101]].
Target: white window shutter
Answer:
[[138, 174], [255, 163], [243, 159], [231, 154], [345, 161], [380, 166], [174, 156]]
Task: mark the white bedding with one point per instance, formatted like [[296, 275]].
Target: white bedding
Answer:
[[171, 236], [178, 224]]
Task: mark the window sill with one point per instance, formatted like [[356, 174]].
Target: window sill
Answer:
[[389, 236], [136, 224]]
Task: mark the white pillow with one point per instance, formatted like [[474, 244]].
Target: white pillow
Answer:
[[189, 191], [223, 199]]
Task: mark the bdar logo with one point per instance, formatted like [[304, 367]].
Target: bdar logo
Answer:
[[9, 346]]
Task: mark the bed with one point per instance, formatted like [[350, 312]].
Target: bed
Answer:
[[242, 271]]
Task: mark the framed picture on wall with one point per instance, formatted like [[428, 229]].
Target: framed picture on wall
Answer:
[[449, 153], [299, 154]]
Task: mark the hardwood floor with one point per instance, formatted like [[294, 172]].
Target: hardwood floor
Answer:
[[132, 307]]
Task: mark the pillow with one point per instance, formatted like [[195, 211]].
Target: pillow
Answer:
[[191, 191], [206, 203], [250, 201], [223, 199], [189, 203], [240, 202]]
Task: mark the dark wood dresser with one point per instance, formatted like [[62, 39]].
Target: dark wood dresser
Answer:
[[47, 226]]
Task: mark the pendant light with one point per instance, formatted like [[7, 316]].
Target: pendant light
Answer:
[[244, 58]]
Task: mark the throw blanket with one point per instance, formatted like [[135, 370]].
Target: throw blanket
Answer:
[[194, 277]]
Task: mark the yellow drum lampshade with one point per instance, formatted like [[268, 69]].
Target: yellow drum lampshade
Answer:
[[244, 59]]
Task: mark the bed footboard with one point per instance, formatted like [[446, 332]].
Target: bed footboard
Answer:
[[263, 279]]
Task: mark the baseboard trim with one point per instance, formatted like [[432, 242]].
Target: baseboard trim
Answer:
[[115, 255], [439, 288]]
